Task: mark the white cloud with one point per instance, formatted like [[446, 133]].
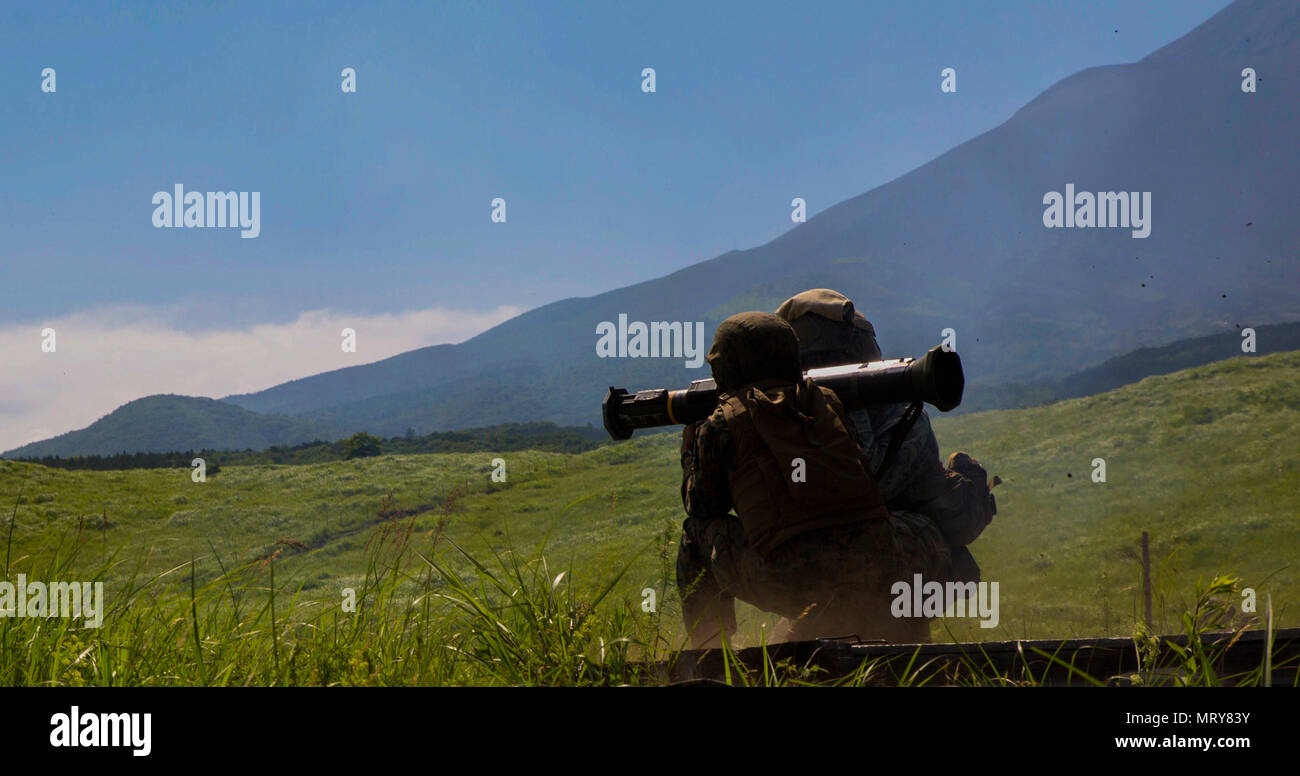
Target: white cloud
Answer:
[[106, 358]]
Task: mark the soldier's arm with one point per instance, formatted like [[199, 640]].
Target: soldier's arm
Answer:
[[706, 449], [955, 497]]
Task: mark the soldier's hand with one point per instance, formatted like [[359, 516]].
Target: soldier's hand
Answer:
[[968, 467]]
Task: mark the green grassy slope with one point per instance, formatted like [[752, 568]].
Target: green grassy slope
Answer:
[[1205, 460]]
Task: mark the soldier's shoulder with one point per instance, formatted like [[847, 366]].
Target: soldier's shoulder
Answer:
[[830, 397]]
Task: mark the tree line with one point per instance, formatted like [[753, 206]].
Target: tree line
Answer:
[[506, 437]]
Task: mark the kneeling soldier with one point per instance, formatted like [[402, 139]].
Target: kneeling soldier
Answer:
[[811, 538]]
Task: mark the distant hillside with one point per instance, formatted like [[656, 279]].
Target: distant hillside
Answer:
[[1135, 366], [508, 437], [168, 425], [164, 423]]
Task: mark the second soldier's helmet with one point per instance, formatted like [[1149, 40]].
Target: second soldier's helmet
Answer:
[[754, 346], [830, 330]]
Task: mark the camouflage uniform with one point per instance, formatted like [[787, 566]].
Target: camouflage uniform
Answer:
[[828, 581], [956, 497]]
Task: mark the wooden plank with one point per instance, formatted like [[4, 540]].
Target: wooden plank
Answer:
[[1110, 660]]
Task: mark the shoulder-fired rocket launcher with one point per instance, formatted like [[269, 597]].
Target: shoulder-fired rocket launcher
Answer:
[[936, 378]]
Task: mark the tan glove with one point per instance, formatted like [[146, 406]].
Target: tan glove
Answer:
[[968, 467]]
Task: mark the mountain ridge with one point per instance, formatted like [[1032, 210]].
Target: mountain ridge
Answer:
[[956, 243], [1113, 373], [164, 423]]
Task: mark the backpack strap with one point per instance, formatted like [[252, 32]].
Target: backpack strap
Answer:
[[904, 427]]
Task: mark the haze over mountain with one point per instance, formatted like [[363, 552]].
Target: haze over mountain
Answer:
[[958, 243]]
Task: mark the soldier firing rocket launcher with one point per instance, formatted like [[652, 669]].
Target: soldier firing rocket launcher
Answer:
[[936, 378]]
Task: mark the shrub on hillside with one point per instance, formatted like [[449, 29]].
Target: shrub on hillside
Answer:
[[361, 445]]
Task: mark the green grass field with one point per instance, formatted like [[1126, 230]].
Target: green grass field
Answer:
[[1205, 460]]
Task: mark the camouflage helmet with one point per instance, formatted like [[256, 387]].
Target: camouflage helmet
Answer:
[[754, 346], [830, 330]]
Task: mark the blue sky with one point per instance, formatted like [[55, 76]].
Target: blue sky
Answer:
[[375, 206], [379, 201]]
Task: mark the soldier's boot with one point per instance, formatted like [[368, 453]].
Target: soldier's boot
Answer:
[[707, 621], [707, 612]]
